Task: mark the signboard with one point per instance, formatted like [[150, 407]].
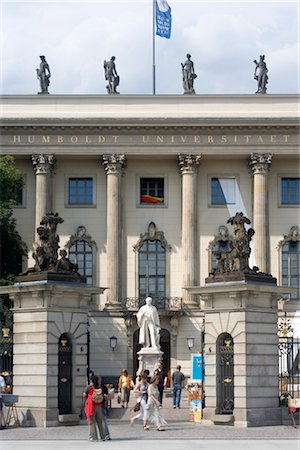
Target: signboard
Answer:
[[197, 368], [196, 410]]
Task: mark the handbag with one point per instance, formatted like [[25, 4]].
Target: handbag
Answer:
[[119, 398], [137, 407]]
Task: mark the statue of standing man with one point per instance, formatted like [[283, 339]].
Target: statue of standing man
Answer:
[[111, 76], [43, 74], [188, 75], [260, 74], [148, 322]]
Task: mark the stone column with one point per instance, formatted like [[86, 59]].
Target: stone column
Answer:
[[114, 167], [260, 165], [188, 169], [43, 166]]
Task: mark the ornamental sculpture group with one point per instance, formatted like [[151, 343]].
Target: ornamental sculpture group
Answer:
[[233, 264], [46, 251], [188, 75]]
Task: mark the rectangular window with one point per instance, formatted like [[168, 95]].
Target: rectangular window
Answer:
[[290, 191], [223, 191], [152, 191], [80, 191], [21, 194], [290, 266]]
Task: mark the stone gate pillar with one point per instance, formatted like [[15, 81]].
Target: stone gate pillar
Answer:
[[44, 310], [248, 313]]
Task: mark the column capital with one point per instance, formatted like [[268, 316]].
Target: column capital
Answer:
[[260, 162], [43, 164], [114, 164], [187, 163]]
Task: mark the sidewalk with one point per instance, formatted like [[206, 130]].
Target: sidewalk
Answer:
[[180, 434]]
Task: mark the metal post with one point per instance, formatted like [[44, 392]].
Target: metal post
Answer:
[[153, 48]]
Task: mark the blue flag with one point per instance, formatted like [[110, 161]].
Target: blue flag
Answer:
[[163, 19]]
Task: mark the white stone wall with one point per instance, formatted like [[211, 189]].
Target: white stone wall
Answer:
[[104, 361]]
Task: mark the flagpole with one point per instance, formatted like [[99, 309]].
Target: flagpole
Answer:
[[153, 48]]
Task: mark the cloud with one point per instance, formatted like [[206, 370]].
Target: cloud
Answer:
[[223, 38]]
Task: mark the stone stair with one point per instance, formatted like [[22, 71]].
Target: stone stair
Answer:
[[116, 412]]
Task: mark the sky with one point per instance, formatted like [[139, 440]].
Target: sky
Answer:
[[223, 37]]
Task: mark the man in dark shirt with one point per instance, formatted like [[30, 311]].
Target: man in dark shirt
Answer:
[[177, 380], [162, 381]]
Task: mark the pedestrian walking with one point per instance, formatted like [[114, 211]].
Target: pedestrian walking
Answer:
[[2, 391], [162, 381], [124, 386], [141, 389], [152, 409], [96, 394], [177, 380]]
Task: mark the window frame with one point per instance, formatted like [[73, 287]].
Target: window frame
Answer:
[[67, 190], [91, 252], [138, 189], [156, 276], [289, 274], [209, 190], [286, 205], [24, 194]]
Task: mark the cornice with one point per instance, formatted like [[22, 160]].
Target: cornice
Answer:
[[154, 124]]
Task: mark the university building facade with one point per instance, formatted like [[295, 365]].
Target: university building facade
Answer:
[[146, 185]]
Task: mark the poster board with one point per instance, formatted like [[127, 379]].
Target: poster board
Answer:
[[197, 368]]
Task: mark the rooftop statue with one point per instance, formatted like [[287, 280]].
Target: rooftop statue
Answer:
[[188, 75], [43, 74], [111, 76], [260, 74]]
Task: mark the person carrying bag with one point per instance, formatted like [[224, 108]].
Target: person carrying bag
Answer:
[[96, 394]]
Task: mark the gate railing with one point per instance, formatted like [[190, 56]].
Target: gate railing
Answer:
[[289, 362]]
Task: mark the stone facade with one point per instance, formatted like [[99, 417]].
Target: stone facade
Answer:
[[185, 140]]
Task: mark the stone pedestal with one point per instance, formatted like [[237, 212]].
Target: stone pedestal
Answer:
[[44, 310], [148, 359], [247, 311]]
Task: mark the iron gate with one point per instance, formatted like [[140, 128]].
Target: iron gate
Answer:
[[65, 374], [225, 374], [6, 339], [289, 362]]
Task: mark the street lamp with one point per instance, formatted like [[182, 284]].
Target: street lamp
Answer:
[[190, 342], [113, 342]]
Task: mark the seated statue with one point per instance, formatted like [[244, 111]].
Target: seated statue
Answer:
[[65, 265]]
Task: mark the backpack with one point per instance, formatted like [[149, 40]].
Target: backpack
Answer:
[[97, 396]]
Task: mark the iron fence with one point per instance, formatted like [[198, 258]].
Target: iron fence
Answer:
[[166, 303]]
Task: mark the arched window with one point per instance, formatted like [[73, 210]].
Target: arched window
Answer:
[[82, 251], [152, 270], [290, 262], [151, 249]]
